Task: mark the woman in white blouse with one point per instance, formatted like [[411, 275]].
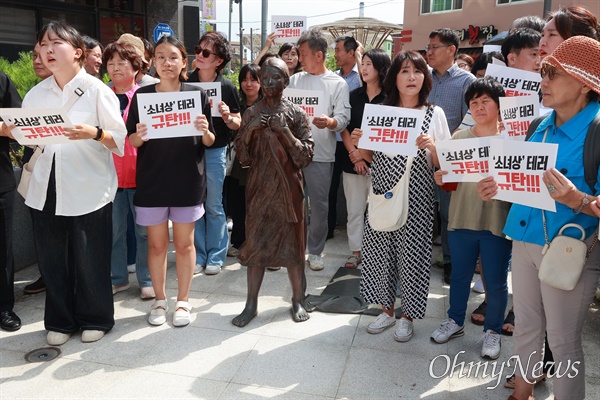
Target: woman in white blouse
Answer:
[[71, 191]]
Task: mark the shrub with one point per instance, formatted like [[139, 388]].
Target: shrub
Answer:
[[21, 72]]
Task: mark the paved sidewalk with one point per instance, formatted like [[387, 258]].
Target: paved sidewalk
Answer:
[[331, 356]]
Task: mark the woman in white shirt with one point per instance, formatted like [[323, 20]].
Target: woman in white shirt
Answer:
[[71, 191]]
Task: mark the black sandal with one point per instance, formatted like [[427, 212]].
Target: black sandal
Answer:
[[481, 310], [510, 319]]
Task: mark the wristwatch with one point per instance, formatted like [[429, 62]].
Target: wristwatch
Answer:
[[585, 201]]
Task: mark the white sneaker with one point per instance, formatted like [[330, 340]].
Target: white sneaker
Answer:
[[131, 268], [91, 336], [212, 269], [122, 288], [181, 316], [381, 323], [147, 292], [478, 287], [491, 345], [198, 269], [404, 331], [447, 330], [158, 315], [229, 224], [315, 262], [57, 338]]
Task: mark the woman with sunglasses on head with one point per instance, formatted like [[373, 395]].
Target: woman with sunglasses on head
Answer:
[[570, 87], [171, 183], [210, 238], [71, 191], [403, 255]]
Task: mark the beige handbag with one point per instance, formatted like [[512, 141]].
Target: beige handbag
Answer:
[[564, 258], [27, 170], [388, 212]]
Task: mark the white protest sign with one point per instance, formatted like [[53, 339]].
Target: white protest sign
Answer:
[[465, 160], [37, 125], [392, 130], [170, 114], [213, 92], [516, 82], [311, 101], [288, 28], [517, 114], [518, 167]]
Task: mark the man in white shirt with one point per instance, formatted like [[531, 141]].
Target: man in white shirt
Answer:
[[313, 51]]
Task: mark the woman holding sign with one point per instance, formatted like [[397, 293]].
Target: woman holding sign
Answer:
[[403, 255], [474, 228], [71, 191], [171, 182], [570, 87]]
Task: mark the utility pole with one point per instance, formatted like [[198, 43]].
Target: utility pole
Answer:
[[241, 36], [263, 24]]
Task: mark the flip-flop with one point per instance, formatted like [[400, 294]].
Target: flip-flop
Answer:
[[510, 319], [481, 310], [352, 262]]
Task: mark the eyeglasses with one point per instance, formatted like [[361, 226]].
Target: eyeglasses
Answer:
[[462, 65], [549, 71], [436, 46], [205, 52]]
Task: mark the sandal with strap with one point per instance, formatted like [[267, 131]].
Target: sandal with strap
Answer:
[[510, 381], [352, 262], [481, 310], [158, 315], [181, 316], [510, 319]]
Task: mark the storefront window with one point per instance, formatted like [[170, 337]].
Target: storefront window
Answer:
[[113, 25], [17, 26]]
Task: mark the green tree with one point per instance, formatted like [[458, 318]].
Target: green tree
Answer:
[[330, 62], [20, 72]]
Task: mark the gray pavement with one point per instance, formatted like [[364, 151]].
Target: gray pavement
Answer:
[[331, 356]]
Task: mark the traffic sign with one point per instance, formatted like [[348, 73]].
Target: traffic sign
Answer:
[[162, 29]]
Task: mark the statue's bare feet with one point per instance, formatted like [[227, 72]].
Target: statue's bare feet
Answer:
[[245, 317], [299, 314]]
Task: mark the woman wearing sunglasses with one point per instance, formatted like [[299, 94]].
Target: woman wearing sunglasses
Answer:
[[210, 238], [570, 87]]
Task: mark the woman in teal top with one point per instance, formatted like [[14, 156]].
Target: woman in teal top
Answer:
[[570, 86]]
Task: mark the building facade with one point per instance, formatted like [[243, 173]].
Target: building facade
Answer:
[[475, 20], [104, 20]]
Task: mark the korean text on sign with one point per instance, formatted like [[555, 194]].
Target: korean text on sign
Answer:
[[37, 126], [168, 115], [517, 114], [518, 167], [288, 28], [516, 82], [311, 101], [392, 130], [465, 160], [213, 92]]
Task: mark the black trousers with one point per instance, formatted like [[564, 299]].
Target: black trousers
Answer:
[[7, 262], [74, 255]]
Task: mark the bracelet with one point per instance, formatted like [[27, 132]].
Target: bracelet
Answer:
[[229, 120], [99, 134]]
